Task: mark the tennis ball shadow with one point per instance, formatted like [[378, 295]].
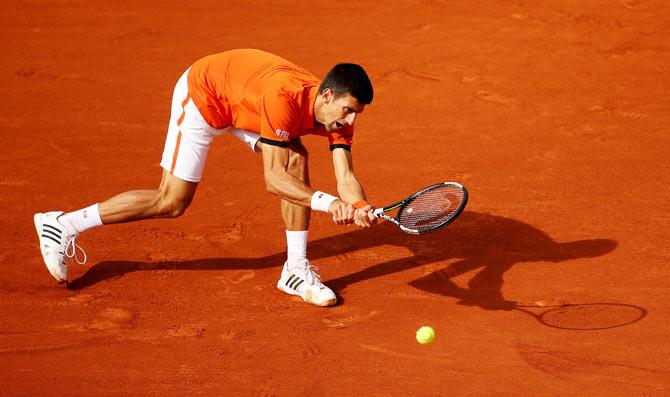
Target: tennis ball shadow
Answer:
[[490, 243]]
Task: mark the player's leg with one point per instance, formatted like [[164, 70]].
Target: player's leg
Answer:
[[298, 275], [170, 200], [57, 231], [183, 161], [296, 217]]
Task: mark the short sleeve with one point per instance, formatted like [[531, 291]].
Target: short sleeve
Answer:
[[280, 118], [342, 138]]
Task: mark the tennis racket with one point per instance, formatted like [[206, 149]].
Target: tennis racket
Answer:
[[428, 209]]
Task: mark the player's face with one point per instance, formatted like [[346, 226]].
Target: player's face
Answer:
[[338, 112]]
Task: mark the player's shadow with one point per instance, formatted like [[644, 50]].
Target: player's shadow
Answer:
[[490, 243]]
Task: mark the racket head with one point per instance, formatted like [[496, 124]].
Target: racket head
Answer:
[[432, 208]]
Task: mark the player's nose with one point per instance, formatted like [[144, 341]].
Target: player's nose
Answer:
[[351, 117]]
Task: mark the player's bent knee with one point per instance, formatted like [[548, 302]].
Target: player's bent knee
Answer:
[[173, 196], [176, 210], [170, 206]]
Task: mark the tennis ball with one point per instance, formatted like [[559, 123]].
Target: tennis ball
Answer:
[[425, 335]]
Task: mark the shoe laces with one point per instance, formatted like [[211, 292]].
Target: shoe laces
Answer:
[[71, 248], [311, 275], [309, 272]]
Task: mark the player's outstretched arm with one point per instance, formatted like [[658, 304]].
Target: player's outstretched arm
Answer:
[[280, 182], [350, 188]]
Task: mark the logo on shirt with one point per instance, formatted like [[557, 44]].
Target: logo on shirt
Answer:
[[282, 134]]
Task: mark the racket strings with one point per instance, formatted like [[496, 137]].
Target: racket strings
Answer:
[[432, 209]]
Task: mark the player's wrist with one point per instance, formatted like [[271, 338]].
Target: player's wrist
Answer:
[[361, 204], [321, 201]]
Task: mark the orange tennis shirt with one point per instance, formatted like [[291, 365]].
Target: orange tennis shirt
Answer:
[[257, 91]]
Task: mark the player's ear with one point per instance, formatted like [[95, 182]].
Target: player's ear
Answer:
[[327, 95]]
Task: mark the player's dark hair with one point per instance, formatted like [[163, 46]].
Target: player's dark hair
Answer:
[[349, 78]]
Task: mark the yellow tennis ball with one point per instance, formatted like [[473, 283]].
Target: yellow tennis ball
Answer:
[[425, 335]]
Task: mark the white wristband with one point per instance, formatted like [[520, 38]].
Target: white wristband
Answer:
[[321, 201]]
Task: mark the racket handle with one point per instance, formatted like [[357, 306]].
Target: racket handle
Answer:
[[379, 213]]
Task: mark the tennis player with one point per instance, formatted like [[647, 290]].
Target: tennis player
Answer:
[[268, 103]]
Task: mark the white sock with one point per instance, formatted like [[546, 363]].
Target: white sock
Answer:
[[82, 220], [296, 243]]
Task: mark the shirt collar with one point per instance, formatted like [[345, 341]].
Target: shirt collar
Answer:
[[308, 121]]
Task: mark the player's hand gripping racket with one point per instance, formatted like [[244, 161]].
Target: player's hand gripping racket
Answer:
[[428, 209]]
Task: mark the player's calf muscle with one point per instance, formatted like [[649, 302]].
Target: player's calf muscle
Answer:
[[140, 204]]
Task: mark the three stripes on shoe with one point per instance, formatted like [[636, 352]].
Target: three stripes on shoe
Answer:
[[294, 282], [52, 233]]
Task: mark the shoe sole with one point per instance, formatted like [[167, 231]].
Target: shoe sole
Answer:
[[37, 219], [308, 297]]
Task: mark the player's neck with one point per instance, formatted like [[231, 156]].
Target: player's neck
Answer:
[[318, 107]]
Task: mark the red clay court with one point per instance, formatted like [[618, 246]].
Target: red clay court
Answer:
[[554, 281]]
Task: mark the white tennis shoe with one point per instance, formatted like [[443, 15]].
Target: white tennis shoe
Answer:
[[56, 244], [302, 280]]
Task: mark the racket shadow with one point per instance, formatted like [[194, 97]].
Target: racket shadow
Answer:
[[485, 243], [585, 316], [490, 243]]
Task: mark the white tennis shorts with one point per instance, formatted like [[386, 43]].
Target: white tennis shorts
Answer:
[[189, 136]]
